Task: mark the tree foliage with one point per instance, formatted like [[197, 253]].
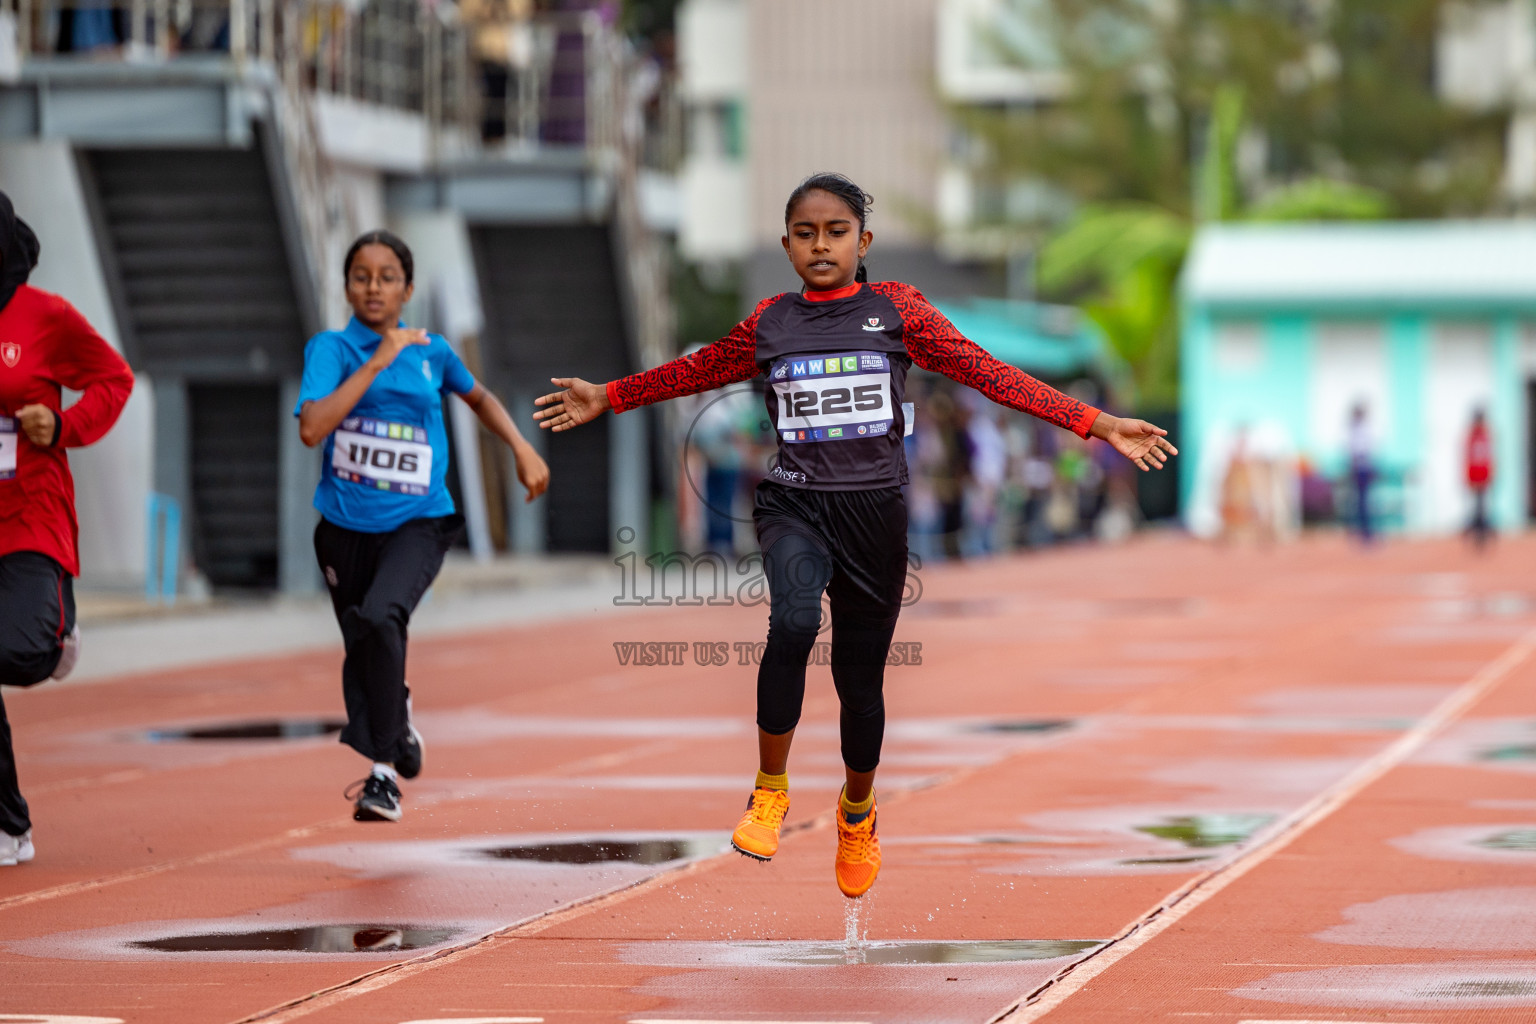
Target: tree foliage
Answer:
[[1181, 111]]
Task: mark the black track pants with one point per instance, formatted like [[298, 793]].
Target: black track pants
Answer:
[[376, 580], [37, 610], [851, 545]]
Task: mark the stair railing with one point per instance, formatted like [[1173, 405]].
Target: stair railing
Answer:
[[326, 220]]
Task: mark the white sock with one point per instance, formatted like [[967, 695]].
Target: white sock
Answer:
[[385, 771]]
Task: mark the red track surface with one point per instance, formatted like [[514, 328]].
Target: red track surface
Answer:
[[1375, 709]]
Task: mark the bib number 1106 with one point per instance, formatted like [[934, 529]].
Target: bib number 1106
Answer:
[[385, 456]]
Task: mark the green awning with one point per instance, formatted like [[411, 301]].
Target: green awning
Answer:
[[1041, 339]]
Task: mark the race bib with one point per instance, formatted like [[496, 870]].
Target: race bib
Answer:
[[387, 456], [8, 438], [833, 398]]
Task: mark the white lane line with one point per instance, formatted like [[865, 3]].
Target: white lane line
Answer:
[[54, 1018], [1288, 1020], [1036, 1004]]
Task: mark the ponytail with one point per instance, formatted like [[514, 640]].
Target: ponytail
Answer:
[[861, 274]]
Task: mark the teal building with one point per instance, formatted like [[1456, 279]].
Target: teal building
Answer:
[[1287, 327]]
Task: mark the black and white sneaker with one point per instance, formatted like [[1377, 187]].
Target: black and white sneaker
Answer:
[[15, 849], [378, 799], [408, 764]]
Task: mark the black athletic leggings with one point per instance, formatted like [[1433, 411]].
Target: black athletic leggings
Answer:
[[37, 611], [376, 580], [851, 545]]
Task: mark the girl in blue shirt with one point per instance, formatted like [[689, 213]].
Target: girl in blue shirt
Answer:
[[372, 394]]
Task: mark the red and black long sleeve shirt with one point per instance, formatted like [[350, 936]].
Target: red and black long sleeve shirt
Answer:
[[837, 367]]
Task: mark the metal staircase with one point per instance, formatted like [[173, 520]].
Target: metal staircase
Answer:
[[207, 293]]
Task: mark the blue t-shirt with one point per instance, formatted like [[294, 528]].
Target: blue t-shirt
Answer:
[[386, 463]]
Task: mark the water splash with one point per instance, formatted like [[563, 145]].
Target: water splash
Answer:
[[853, 944]]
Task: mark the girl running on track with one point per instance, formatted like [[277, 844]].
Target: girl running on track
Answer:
[[831, 517], [45, 345], [372, 392]]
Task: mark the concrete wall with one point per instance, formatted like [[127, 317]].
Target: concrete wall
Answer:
[[112, 477]]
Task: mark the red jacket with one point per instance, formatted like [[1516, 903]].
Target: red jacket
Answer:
[[45, 345], [1479, 457]]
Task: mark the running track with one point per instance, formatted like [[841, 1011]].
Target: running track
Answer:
[[1211, 785]]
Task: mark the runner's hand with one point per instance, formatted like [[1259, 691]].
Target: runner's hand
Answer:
[[1141, 442], [37, 422], [532, 471], [580, 402], [395, 341]]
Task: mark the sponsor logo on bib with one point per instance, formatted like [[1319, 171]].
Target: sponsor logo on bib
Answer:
[[836, 397]]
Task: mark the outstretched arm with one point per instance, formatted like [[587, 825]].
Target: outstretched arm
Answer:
[[1141, 442], [936, 345], [728, 361], [532, 470], [580, 402]]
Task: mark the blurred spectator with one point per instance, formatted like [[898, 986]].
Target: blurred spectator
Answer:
[[725, 435], [944, 457], [92, 27], [1064, 507], [1362, 468], [1241, 514], [1039, 482], [984, 487], [502, 45], [1316, 494], [1479, 477]]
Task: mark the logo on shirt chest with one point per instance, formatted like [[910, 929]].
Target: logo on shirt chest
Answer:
[[872, 324], [10, 352], [426, 370]]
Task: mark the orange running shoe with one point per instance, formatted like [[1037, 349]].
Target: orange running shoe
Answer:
[[758, 833], [858, 854]]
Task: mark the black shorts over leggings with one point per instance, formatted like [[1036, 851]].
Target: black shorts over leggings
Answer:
[[852, 546]]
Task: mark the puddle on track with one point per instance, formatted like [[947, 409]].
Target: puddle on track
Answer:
[[910, 953], [1022, 725], [330, 938], [1202, 831], [1519, 752], [602, 851], [1413, 986], [1491, 989], [821, 954], [261, 729], [1518, 839]]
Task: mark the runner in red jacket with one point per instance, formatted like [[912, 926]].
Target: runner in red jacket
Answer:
[[45, 345], [1479, 477]]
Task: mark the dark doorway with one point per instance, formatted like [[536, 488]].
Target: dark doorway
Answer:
[[234, 483]]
